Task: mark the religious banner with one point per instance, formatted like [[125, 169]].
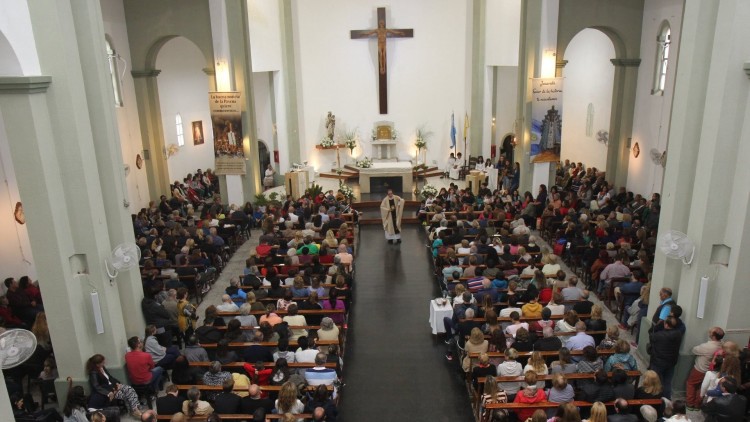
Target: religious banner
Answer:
[[546, 119], [226, 119]]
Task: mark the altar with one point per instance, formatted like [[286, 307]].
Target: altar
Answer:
[[384, 150], [402, 170]]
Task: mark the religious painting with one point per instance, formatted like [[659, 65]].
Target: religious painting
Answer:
[[198, 133], [226, 121], [18, 214], [546, 119]]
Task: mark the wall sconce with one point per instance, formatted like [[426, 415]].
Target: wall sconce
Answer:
[[222, 77], [548, 64]]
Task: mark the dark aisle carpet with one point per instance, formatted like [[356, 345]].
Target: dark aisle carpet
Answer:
[[394, 369]]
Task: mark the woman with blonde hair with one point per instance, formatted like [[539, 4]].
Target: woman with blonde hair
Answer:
[[41, 331], [596, 323], [622, 358], [492, 394], [510, 368], [598, 413], [297, 241], [651, 388], [288, 401], [254, 304], [331, 240], [561, 391], [476, 344], [483, 369], [537, 364]]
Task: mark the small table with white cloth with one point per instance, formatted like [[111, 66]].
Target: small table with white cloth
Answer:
[[437, 313]]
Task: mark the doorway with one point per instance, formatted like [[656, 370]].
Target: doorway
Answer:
[[264, 157]]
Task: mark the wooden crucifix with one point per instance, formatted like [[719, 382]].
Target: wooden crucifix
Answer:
[[381, 33]]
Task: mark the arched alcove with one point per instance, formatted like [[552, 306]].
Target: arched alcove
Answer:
[[587, 103], [9, 63], [264, 156], [15, 251], [183, 89]]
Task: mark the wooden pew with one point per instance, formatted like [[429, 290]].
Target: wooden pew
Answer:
[[282, 313], [185, 387], [292, 344], [267, 365], [238, 417], [634, 375], [531, 319], [551, 405]]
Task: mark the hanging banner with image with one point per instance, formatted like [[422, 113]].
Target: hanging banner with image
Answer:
[[226, 120], [546, 119]]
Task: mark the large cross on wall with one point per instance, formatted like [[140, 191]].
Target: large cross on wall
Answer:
[[381, 33]]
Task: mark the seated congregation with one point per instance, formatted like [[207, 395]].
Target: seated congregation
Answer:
[[272, 348], [525, 332]]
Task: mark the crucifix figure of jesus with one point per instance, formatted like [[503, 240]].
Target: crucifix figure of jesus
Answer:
[[381, 33]]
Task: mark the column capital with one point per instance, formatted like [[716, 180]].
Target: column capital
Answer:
[[210, 71], [626, 62], [747, 68], [24, 84], [145, 73]]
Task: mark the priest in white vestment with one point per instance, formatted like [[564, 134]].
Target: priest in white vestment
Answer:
[[455, 171], [391, 210]]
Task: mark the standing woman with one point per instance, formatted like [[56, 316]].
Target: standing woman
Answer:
[[107, 388], [185, 313], [391, 210], [268, 178]]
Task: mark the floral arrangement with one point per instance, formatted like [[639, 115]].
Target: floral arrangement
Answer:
[[394, 134], [373, 135], [427, 191], [346, 190], [350, 139], [364, 163], [422, 136], [327, 142]]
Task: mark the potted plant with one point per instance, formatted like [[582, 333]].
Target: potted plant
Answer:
[[261, 202]]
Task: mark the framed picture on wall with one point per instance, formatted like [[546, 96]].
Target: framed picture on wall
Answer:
[[198, 133]]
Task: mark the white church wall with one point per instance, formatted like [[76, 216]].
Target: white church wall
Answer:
[[128, 124], [507, 92], [265, 35], [15, 250], [589, 76], [652, 112], [426, 74], [263, 116], [15, 26], [503, 26], [183, 88]]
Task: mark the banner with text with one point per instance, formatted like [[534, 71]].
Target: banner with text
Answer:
[[226, 120], [546, 119]]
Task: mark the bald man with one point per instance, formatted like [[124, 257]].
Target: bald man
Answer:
[[255, 401]]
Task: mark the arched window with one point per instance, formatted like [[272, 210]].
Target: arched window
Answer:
[[114, 73], [180, 133], [662, 58]]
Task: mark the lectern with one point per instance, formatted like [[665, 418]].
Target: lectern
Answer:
[[296, 182]]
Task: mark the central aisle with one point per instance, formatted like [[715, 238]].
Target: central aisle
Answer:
[[395, 370]]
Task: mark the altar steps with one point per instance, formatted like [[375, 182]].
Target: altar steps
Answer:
[[427, 172], [346, 174]]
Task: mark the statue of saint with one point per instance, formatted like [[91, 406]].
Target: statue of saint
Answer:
[[330, 125]]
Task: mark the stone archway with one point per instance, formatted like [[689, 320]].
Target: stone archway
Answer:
[[623, 98]]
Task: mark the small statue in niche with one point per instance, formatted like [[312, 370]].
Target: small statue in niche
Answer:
[[330, 124]]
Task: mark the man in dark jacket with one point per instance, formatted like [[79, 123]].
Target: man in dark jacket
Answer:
[[158, 315], [727, 408], [665, 349]]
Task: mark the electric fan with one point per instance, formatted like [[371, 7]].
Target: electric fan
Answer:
[[124, 257], [677, 245], [16, 347]]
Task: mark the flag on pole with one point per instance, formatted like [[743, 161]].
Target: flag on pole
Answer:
[[466, 125], [453, 132]]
